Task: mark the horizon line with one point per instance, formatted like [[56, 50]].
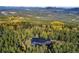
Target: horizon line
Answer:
[[45, 6]]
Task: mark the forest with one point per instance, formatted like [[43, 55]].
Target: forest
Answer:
[[17, 32]]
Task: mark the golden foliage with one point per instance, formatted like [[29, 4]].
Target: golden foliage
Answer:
[[57, 25]]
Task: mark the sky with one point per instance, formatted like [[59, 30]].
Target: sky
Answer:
[[40, 3]]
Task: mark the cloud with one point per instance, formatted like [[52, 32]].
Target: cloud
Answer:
[[42, 3]]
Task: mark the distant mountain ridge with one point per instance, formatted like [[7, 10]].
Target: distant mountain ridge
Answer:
[[39, 9]]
